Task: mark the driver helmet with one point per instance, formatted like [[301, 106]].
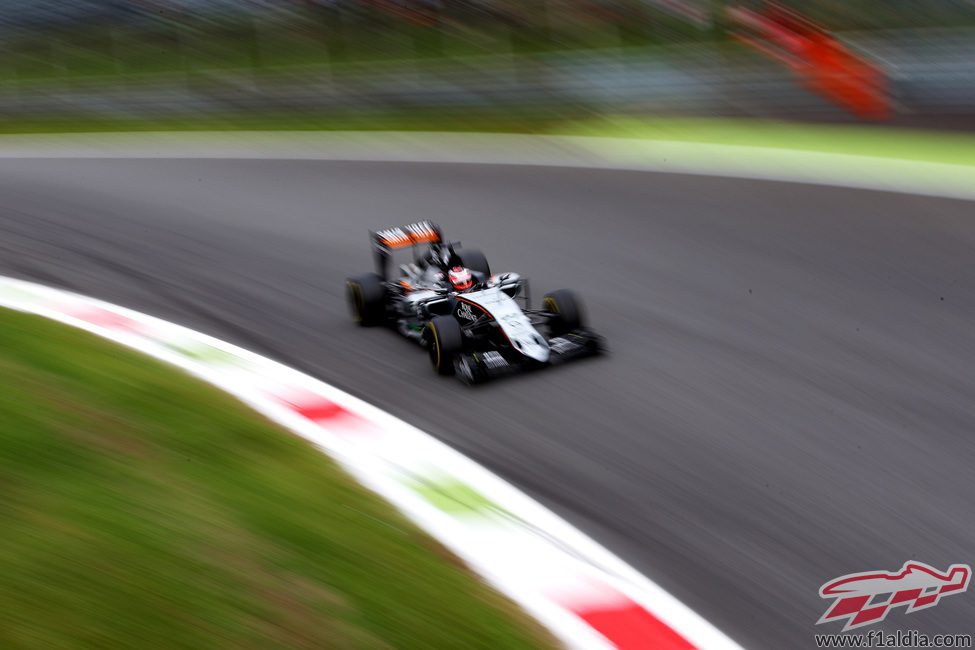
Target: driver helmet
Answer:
[[460, 278]]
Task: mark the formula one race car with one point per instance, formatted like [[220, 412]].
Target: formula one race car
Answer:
[[475, 325]]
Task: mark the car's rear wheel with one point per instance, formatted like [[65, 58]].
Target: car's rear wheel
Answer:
[[444, 342], [367, 299], [475, 260], [565, 311]]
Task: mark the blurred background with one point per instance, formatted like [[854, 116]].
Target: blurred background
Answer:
[[471, 63], [783, 351]]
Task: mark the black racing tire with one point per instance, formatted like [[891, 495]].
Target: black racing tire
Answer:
[[474, 260], [566, 311], [444, 342], [367, 299]]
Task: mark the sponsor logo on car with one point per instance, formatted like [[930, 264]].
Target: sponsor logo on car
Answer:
[[465, 312]]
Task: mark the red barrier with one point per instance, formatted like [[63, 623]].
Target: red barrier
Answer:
[[820, 60]]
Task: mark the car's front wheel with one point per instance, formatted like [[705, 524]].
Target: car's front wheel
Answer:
[[444, 342], [565, 311]]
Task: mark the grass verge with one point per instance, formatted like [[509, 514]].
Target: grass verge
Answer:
[[865, 140], [143, 508]]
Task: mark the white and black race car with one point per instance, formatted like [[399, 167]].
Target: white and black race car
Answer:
[[475, 325]]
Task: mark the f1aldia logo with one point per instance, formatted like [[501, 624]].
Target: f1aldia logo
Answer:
[[866, 598]]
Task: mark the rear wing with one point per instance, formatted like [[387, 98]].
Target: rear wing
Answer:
[[389, 239], [421, 232]]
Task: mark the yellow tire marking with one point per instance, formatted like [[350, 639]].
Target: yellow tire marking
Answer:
[[356, 300], [436, 344]]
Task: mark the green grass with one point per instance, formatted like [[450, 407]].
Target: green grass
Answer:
[[143, 509], [865, 140], [313, 41], [512, 121]]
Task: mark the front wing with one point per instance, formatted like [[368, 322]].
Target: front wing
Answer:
[[478, 367]]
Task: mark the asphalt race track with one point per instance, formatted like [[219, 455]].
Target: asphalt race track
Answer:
[[789, 393]]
